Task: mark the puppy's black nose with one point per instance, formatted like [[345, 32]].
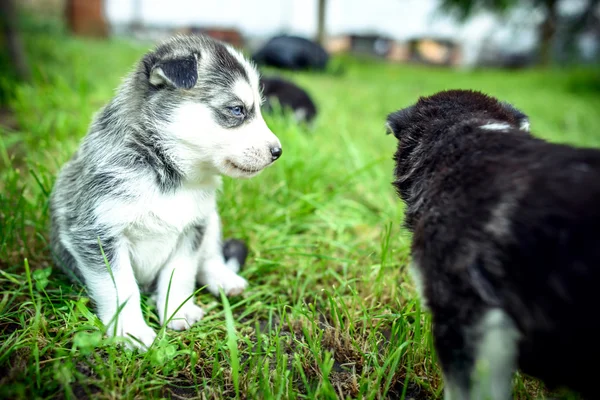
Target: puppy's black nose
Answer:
[[276, 152]]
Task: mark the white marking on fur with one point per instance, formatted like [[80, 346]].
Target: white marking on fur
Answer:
[[251, 70], [496, 357], [496, 126], [417, 277], [524, 125], [300, 114], [233, 265], [388, 128], [158, 77], [500, 222], [253, 76], [245, 93], [453, 391]]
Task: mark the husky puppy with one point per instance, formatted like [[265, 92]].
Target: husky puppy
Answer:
[[288, 95], [140, 194], [506, 244]]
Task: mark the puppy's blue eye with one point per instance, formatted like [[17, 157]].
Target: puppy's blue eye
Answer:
[[237, 111]]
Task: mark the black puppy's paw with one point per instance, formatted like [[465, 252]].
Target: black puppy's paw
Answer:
[[235, 251]]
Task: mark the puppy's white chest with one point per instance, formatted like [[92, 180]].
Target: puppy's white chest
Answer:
[[156, 232], [170, 214], [177, 211]]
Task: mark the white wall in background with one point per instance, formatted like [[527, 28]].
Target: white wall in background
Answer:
[[400, 19]]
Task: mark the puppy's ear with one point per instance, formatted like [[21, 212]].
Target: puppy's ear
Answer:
[[520, 117], [398, 121], [180, 73]]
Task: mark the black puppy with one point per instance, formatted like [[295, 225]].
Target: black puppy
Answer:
[[292, 52], [288, 95], [506, 244]]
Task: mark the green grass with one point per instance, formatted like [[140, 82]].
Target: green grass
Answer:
[[330, 311]]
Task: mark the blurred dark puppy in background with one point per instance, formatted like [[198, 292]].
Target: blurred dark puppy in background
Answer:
[[293, 53], [506, 244], [289, 96]]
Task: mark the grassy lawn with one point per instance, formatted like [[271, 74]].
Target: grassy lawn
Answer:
[[330, 311]]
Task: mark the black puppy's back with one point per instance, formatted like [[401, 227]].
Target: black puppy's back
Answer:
[[556, 248]]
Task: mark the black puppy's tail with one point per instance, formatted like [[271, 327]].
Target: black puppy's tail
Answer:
[[235, 253]]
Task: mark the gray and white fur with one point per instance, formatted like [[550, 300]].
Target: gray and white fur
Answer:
[[140, 194]]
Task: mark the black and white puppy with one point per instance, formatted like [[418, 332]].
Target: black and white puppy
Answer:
[[506, 244], [288, 95], [143, 185]]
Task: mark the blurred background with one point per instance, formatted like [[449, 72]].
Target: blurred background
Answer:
[[457, 33]]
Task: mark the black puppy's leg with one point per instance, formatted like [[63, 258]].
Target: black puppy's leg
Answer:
[[497, 353], [214, 271], [235, 253], [455, 353], [478, 356]]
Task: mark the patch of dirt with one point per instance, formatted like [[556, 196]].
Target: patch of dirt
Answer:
[[85, 391], [15, 366], [180, 390], [7, 327], [347, 352], [413, 392], [7, 118]]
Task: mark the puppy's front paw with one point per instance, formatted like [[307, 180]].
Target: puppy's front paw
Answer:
[[187, 316], [140, 336], [222, 278], [235, 286]]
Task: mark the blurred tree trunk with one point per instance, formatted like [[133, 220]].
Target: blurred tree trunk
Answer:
[[14, 44], [321, 22], [583, 21], [86, 18], [547, 32]]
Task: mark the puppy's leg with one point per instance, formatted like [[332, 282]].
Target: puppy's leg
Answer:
[[118, 302], [213, 271], [177, 282], [454, 353], [417, 278], [478, 359], [496, 356]]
